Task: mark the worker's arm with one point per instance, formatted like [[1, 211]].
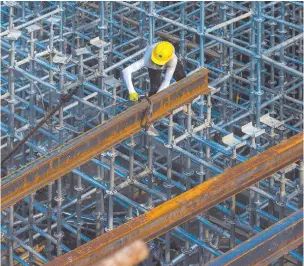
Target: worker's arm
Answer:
[[127, 73], [169, 74]]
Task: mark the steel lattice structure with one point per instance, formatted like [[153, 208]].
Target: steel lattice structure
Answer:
[[254, 54]]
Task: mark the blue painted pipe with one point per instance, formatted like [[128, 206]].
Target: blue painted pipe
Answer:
[[257, 240]]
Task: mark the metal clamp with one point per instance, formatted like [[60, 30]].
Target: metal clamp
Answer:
[[281, 201], [147, 114], [111, 192]]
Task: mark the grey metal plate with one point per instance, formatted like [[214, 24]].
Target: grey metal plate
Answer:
[[270, 121]]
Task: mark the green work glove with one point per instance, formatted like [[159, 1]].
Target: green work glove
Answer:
[[133, 96]]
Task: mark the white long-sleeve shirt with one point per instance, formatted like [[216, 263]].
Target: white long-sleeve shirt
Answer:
[[147, 62]]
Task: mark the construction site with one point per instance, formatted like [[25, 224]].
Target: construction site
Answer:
[[219, 181]]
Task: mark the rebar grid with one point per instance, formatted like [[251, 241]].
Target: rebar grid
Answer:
[[254, 51]]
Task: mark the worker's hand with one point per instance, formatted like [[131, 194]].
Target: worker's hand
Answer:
[[133, 96]]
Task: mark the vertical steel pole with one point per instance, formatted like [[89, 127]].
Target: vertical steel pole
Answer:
[[258, 19], [100, 208], [32, 93], [59, 198], [79, 117], [300, 199], [49, 246], [232, 206], [74, 26], [111, 190], [188, 174], [59, 233], [132, 145], [141, 27], [11, 18], [202, 31], [282, 202], [223, 61], [203, 232], [31, 233], [252, 63], [282, 32], [23, 12], [111, 33], [301, 182], [272, 83], [230, 58], [168, 184], [300, 52], [9, 236], [61, 39], [182, 31], [208, 127], [11, 102], [150, 176], [258, 92], [149, 138], [151, 22]]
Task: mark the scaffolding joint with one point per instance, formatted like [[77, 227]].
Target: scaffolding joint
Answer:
[[111, 192], [189, 251], [281, 200], [259, 93], [59, 235]]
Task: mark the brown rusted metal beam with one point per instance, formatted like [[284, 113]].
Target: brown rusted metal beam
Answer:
[[189, 204], [267, 246], [78, 151]]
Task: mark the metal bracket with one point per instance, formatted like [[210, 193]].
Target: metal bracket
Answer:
[[288, 169], [83, 50], [112, 82], [58, 59], [13, 35], [70, 86], [10, 3], [33, 28], [53, 19], [232, 142], [214, 90], [252, 131], [182, 108], [270, 121], [99, 43]]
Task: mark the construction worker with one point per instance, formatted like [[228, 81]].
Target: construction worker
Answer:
[[157, 57]]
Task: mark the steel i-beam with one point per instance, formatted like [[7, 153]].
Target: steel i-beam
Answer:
[[267, 246], [78, 151], [187, 205]]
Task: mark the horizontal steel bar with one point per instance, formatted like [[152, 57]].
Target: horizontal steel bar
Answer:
[[189, 204], [267, 246], [284, 44], [38, 18], [78, 151], [228, 22]]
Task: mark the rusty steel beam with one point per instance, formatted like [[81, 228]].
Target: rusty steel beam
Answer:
[[182, 208], [267, 246], [78, 151]]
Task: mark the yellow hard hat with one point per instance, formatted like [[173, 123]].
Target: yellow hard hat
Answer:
[[162, 53]]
